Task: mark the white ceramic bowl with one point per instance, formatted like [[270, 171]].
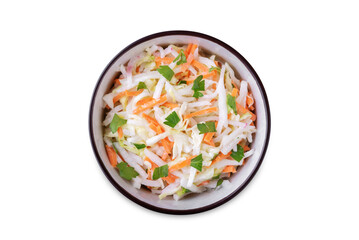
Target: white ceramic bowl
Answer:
[[193, 203]]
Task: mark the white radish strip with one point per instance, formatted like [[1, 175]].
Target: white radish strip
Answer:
[[249, 153], [155, 139], [130, 160], [232, 76], [192, 175], [136, 182], [220, 136], [151, 183], [108, 99], [192, 70], [170, 189], [206, 119], [154, 158], [199, 104], [237, 124], [224, 163], [137, 158], [243, 91], [222, 103], [159, 87], [206, 61]]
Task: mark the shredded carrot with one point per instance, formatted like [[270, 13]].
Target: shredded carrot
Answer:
[[209, 74], [246, 148], [193, 48], [137, 68], [249, 100], [241, 109], [251, 108], [120, 132], [200, 66], [170, 105], [153, 165], [254, 117], [182, 164], [201, 112], [143, 101], [117, 80], [165, 60], [188, 50], [220, 157], [234, 92], [203, 183], [229, 115], [119, 96], [229, 169], [166, 145], [111, 155], [164, 156], [150, 104], [208, 136], [135, 93], [154, 125], [107, 107], [170, 178], [188, 63]]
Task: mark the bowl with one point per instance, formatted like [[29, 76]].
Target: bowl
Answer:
[[193, 203]]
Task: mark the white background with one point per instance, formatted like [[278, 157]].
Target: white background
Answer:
[[51, 55]]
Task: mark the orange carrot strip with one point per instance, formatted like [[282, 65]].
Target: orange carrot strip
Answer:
[[249, 100], [153, 127], [164, 156], [117, 80], [150, 104], [229, 169], [170, 105], [118, 96], [135, 93], [193, 48], [111, 155], [208, 137], [188, 63], [153, 165], [220, 157], [182, 164], [234, 92], [107, 107], [170, 178], [200, 66], [246, 148], [143, 101], [120, 132], [201, 112], [165, 60], [209, 74], [166, 145], [188, 50], [203, 183], [254, 117]]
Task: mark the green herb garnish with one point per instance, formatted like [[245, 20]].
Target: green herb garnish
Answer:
[[239, 154], [206, 127], [141, 85], [160, 172], [197, 162], [231, 102], [215, 68], [116, 123], [139, 146], [181, 58], [126, 172], [172, 119], [198, 85], [166, 72]]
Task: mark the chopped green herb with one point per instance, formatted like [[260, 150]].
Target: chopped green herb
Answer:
[[231, 101], [126, 172], [182, 191], [197, 162], [139, 146], [172, 119], [141, 85], [166, 72], [160, 172], [116, 123], [198, 85], [181, 58], [215, 68], [219, 182], [182, 82], [239, 154], [206, 127]]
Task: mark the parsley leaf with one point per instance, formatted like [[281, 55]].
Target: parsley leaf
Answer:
[[139, 146], [116, 123], [198, 85], [181, 58], [215, 68], [231, 101], [206, 127], [219, 182], [126, 172], [141, 85], [160, 172], [239, 154], [182, 82], [197, 162], [172, 119], [166, 71]]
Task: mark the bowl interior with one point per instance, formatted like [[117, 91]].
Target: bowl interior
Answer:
[[195, 201]]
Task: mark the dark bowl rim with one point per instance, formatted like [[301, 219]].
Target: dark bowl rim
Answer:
[[266, 105]]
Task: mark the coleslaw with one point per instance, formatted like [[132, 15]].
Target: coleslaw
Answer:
[[178, 121]]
